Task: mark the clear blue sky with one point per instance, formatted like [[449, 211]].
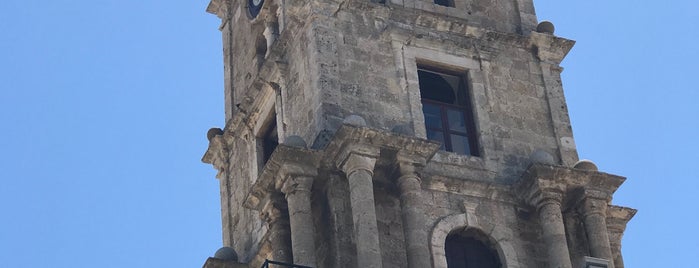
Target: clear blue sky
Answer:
[[104, 107]]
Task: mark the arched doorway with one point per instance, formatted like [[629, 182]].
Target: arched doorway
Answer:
[[470, 249]]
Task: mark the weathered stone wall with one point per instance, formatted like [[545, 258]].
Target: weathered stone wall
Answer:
[[362, 58], [241, 38], [500, 15], [334, 222], [333, 59], [496, 213], [357, 60], [368, 67], [390, 223], [243, 228]]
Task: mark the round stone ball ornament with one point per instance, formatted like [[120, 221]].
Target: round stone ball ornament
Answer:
[[254, 7]]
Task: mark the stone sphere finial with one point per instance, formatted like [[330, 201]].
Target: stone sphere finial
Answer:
[[403, 129], [585, 165], [545, 27], [226, 254], [354, 120], [213, 132], [542, 157], [295, 141]]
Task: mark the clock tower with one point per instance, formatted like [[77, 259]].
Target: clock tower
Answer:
[[403, 133]]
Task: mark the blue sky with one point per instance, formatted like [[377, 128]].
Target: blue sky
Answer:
[[104, 107]]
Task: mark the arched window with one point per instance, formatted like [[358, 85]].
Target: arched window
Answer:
[[470, 249]]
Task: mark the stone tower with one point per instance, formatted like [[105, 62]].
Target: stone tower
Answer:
[[403, 133]]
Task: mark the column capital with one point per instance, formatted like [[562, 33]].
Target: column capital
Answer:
[[407, 165], [358, 157], [274, 210], [591, 201], [542, 198], [287, 161], [541, 185], [295, 183], [293, 177], [406, 176], [591, 206]]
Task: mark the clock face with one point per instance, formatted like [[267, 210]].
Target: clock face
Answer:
[[254, 7]]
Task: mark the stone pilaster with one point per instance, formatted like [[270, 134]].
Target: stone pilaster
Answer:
[[412, 212], [297, 190], [358, 165], [277, 217], [594, 210], [551, 50]]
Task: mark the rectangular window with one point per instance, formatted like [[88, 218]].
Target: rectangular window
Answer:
[[270, 141], [267, 140], [447, 109]]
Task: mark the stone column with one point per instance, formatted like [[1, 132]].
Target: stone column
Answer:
[[413, 216], [595, 218], [551, 219], [297, 189], [359, 169], [277, 218]]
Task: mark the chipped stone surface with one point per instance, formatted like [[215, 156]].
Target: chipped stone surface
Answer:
[[309, 65]]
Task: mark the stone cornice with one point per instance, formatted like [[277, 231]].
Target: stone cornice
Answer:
[[571, 183], [348, 137], [550, 48], [618, 217]]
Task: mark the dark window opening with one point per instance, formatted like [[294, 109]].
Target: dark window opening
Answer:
[[466, 250], [269, 141], [447, 110], [446, 3], [260, 50]]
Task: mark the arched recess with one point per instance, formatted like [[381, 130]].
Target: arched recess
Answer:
[[502, 238]]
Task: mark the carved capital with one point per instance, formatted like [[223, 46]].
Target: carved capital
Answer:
[[594, 202], [592, 206], [408, 163], [293, 174], [275, 210], [358, 157], [542, 185], [407, 177], [297, 184], [591, 201], [543, 198]]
